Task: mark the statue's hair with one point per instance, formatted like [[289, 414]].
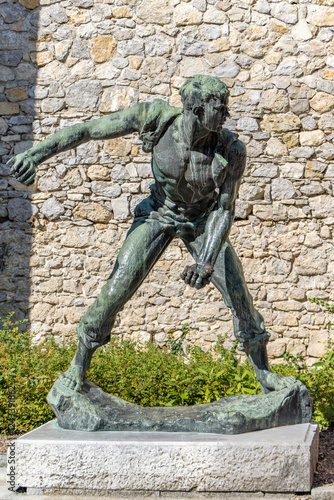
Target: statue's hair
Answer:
[[201, 88]]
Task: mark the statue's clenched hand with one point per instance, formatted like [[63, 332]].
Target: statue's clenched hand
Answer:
[[23, 168], [197, 275]]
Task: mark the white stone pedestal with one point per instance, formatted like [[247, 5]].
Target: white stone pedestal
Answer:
[[273, 460]]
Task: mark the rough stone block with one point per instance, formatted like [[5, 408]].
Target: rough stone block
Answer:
[[9, 108], [323, 492], [273, 460]]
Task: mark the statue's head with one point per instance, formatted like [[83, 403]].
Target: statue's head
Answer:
[[202, 88], [206, 97]]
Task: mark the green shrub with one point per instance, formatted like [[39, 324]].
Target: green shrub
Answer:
[[31, 370], [142, 374], [319, 381], [150, 376]]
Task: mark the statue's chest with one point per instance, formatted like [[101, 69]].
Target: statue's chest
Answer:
[[195, 173], [204, 171]]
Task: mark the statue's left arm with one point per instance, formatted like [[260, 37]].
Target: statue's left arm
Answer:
[[219, 221], [109, 127]]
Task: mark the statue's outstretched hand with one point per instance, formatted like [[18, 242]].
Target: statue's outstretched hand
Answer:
[[197, 275], [23, 168]]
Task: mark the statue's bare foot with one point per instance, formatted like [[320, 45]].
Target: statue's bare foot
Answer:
[[73, 378], [274, 382]]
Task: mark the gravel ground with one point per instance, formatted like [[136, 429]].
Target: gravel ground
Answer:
[[325, 468]]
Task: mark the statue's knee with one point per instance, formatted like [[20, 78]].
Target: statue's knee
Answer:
[[248, 341], [94, 335]]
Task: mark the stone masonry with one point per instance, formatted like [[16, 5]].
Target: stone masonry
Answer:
[[74, 60]]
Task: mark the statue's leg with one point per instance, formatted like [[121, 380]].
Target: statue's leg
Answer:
[[143, 246], [249, 329]]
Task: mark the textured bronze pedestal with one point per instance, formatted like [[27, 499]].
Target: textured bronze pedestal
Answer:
[[94, 410]]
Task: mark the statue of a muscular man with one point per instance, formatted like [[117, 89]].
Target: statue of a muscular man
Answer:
[[197, 167]]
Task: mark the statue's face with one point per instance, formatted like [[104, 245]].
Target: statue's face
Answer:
[[212, 114]]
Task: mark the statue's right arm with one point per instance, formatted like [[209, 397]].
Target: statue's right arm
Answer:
[[109, 127]]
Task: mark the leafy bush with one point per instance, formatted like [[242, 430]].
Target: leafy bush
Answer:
[[319, 381], [150, 376], [142, 374], [31, 371]]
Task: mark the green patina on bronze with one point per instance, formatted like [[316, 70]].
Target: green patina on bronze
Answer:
[[94, 410], [197, 167]]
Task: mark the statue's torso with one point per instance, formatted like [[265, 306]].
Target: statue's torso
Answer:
[[187, 176]]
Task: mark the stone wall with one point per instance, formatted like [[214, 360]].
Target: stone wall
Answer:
[[76, 60]]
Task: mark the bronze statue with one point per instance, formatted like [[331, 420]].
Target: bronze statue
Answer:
[[197, 167]]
